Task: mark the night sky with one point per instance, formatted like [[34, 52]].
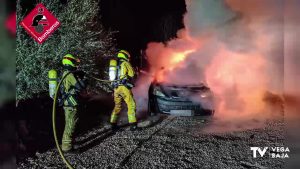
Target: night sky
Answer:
[[140, 22]]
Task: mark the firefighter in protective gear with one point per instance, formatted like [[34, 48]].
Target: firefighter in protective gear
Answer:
[[122, 91], [70, 89]]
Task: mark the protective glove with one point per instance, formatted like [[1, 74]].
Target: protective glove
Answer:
[[114, 84], [60, 102], [124, 81]]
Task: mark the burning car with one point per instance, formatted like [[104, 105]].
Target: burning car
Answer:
[[180, 100]]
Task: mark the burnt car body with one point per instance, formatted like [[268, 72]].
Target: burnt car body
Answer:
[[180, 100]]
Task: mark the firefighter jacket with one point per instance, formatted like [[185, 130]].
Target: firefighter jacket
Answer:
[[126, 74], [71, 88]]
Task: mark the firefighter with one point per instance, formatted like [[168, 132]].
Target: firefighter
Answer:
[[71, 88], [122, 91]]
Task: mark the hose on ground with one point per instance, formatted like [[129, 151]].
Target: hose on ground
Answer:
[[54, 123]]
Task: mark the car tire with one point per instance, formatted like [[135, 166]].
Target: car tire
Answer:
[[150, 113], [152, 106]]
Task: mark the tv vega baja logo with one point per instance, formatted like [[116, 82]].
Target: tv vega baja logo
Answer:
[[272, 152]]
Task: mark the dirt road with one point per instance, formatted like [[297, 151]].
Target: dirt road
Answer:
[[174, 142]]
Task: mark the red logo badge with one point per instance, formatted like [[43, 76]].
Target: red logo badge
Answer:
[[40, 23]]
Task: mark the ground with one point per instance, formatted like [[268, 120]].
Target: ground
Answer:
[[168, 142]]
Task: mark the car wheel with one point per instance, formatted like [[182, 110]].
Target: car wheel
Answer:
[[150, 113], [152, 108]]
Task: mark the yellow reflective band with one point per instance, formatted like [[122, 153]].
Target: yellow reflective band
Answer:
[[73, 102], [131, 118], [113, 118]]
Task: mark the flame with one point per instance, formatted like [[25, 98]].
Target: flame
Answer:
[[164, 59], [176, 58], [179, 57]]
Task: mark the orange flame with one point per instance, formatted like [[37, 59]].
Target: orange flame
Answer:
[[166, 58], [176, 58]]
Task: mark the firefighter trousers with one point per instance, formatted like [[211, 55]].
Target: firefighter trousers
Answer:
[[71, 119], [121, 94]]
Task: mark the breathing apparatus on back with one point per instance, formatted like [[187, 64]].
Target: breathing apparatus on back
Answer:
[[115, 72], [70, 63], [114, 65], [113, 69], [53, 81]]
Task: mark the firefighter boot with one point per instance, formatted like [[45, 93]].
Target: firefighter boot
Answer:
[[134, 127], [114, 127]]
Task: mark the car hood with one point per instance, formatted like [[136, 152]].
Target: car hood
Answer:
[[183, 92]]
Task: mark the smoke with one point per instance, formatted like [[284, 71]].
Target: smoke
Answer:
[[233, 46], [249, 63], [141, 94]]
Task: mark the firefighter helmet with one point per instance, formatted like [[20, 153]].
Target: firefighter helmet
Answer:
[[123, 54], [70, 60]]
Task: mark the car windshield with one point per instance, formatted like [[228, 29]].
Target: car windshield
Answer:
[[167, 84]]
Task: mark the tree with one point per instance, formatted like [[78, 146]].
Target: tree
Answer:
[[81, 34]]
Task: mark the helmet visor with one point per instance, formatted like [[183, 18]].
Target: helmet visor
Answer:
[[72, 59]]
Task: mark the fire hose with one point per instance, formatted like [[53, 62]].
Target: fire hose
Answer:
[[54, 117]]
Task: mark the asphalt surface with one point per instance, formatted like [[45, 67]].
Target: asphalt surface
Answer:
[[168, 142]]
